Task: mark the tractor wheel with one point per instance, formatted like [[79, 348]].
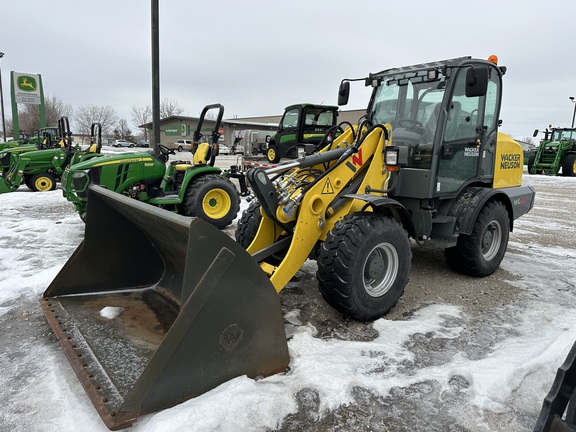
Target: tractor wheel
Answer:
[[272, 154], [248, 225], [569, 165], [27, 181], [213, 198], [364, 265], [480, 253], [531, 161], [42, 182]]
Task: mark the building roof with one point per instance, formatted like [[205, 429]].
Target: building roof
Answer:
[[225, 121]]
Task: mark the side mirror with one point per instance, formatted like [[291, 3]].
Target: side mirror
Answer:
[[343, 93], [535, 133], [476, 81]]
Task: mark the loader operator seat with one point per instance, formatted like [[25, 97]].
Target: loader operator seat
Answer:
[[432, 112], [454, 122]]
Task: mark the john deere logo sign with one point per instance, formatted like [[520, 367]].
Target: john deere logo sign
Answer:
[[27, 83], [27, 90]]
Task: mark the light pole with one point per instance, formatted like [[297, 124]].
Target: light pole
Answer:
[[2, 101], [573, 115]]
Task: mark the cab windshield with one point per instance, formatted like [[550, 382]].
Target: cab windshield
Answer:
[[410, 104]]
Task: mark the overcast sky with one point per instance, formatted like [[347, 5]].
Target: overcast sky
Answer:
[[257, 57]]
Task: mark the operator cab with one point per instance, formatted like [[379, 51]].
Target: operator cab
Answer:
[[443, 116]]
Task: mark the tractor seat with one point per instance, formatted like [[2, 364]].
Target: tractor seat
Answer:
[[93, 148], [202, 154]]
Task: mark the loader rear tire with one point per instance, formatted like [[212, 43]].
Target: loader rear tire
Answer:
[[248, 225], [569, 165], [213, 198], [42, 182], [364, 265], [480, 253]]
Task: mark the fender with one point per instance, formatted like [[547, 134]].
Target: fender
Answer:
[[195, 172], [389, 207], [466, 207]]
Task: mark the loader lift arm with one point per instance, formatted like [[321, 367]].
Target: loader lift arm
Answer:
[[300, 206]]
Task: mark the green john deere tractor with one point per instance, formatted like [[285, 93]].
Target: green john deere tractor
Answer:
[[11, 150], [191, 189], [557, 150], [303, 127], [29, 142], [40, 169]]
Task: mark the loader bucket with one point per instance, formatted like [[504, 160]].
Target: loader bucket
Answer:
[[154, 308]]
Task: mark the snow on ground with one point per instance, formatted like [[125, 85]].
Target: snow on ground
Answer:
[[39, 231]]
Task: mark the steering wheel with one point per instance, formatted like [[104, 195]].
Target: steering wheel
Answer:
[[409, 124], [165, 150]]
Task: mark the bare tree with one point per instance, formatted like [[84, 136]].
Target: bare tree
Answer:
[[122, 131], [170, 108], [88, 114], [141, 116], [29, 115]]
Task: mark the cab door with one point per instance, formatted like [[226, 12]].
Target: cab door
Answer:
[[468, 141]]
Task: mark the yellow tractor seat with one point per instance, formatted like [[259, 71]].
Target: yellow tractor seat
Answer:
[[93, 148], [202, 154]]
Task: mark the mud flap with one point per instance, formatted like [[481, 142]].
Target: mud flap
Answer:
[[154, 308]]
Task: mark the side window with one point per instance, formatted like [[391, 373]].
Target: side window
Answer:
[[463, 114], [290, 118], [490, 119]]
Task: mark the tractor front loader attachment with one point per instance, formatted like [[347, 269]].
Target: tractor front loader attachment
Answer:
[[154, 308]]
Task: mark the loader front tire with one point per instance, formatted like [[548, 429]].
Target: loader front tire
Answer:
[[480, 253], [213, 198], [364, 265], [42, 182], [248, 225]]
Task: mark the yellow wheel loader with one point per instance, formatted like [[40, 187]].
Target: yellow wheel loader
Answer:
[[154, 308]]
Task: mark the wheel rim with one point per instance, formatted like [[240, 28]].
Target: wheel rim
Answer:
[[380, 269], [271, 154], [491, 240], [43, 184], [216, 204], [574, 167]]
